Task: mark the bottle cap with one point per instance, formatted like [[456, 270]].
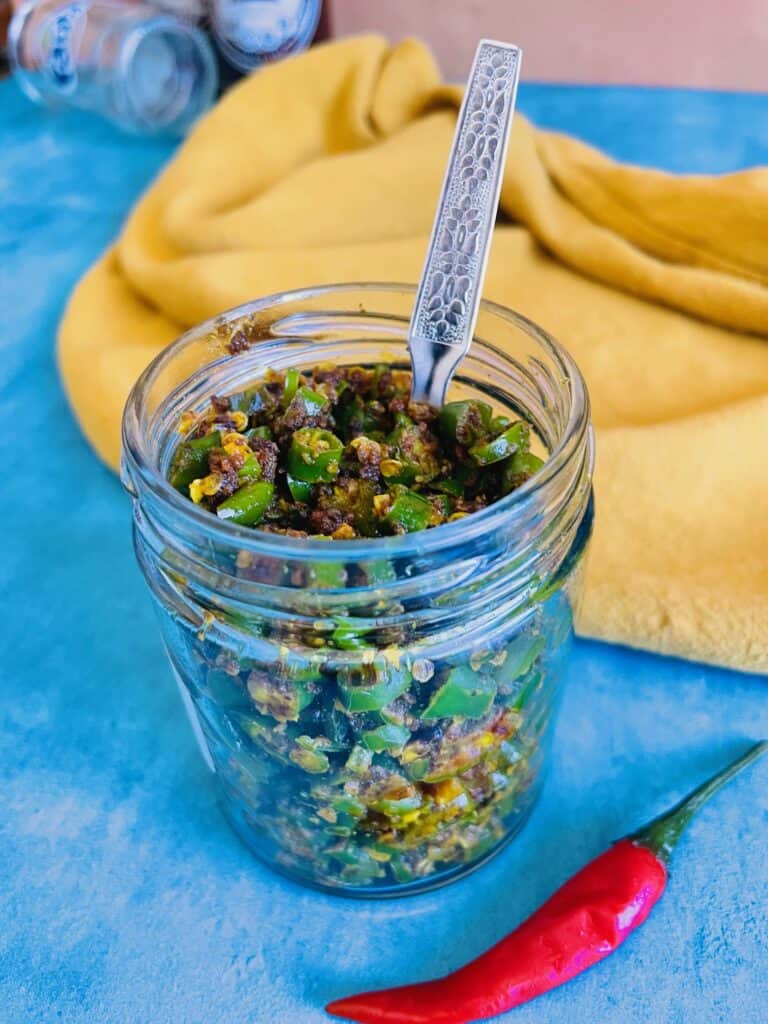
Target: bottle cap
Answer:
[[252, 32]]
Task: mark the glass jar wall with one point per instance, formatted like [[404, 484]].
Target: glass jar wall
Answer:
[[377, 712]]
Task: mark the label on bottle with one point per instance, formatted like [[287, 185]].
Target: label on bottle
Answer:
[[250, 32], [59, 41]]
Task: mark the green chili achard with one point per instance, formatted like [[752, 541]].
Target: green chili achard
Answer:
[[341, 452], [357, 755]]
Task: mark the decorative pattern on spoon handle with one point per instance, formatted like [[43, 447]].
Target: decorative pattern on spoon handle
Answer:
[[449, 294]]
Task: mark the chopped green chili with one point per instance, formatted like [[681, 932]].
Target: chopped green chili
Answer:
[[409, 512], [503, 446], [291, 385], [259, 432], [247, 506], [465, 422], [386, 737], [314, 455], [190, 460], [348, 455], [250, 471], [465, 693], [371, 688], [301, 490], [517, 469]]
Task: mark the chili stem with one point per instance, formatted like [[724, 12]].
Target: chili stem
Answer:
[[661, 835]]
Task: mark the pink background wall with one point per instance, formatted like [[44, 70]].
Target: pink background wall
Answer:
[[716, 44]]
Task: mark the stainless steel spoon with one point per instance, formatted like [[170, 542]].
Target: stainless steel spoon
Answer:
[[448, 298]]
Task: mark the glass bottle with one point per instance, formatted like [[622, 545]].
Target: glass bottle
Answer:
[[146, 71]]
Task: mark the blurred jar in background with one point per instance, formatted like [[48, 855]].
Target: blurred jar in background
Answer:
[[143, 69], [252, 32], [5, 17], [193, 11]]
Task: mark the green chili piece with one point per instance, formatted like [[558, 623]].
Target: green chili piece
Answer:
[[314, 455], [290, 387], [413, 458], [355, 417], [521, 656], [262, 731], [280, 697], [250, 471], [250, 623], [371, 687], [386, 737], [379, 371], [464, 694], [356, 496], [301, 490], [379, 572], [247, 505], [500, 423], [190, 460], [417, 768], [328, 575], [302, 671], [517, 469], [349, 635], [261, 432], [409, 512], [336, 729], [359, 760], [394, 808], [510, 797], [312, 403], [388, 849], [513, 439], [442, 506], [394, 714], [262, 402], [396, 472], [308, 754], [348, 805], [343, 827], [530, 687], [359, 866], [242, 402], [400, 870], [465, 422], [349, 855], [451, 486]]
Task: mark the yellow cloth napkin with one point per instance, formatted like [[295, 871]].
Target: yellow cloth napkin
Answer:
[[327, 167]]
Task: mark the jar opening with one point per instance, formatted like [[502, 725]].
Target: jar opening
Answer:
[[531, 375]]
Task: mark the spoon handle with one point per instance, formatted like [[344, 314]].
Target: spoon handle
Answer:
[[448, 298]]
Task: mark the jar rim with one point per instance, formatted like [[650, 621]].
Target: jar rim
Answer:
[[138, 463]]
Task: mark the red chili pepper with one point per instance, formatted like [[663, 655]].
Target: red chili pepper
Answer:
[[584, 921]]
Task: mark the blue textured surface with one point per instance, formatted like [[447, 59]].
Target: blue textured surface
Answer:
[[124, 897]]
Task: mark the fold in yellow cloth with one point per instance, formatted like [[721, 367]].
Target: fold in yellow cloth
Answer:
[[327, 167]]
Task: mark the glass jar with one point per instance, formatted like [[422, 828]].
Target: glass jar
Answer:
[[377, 712], [146, 71]]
